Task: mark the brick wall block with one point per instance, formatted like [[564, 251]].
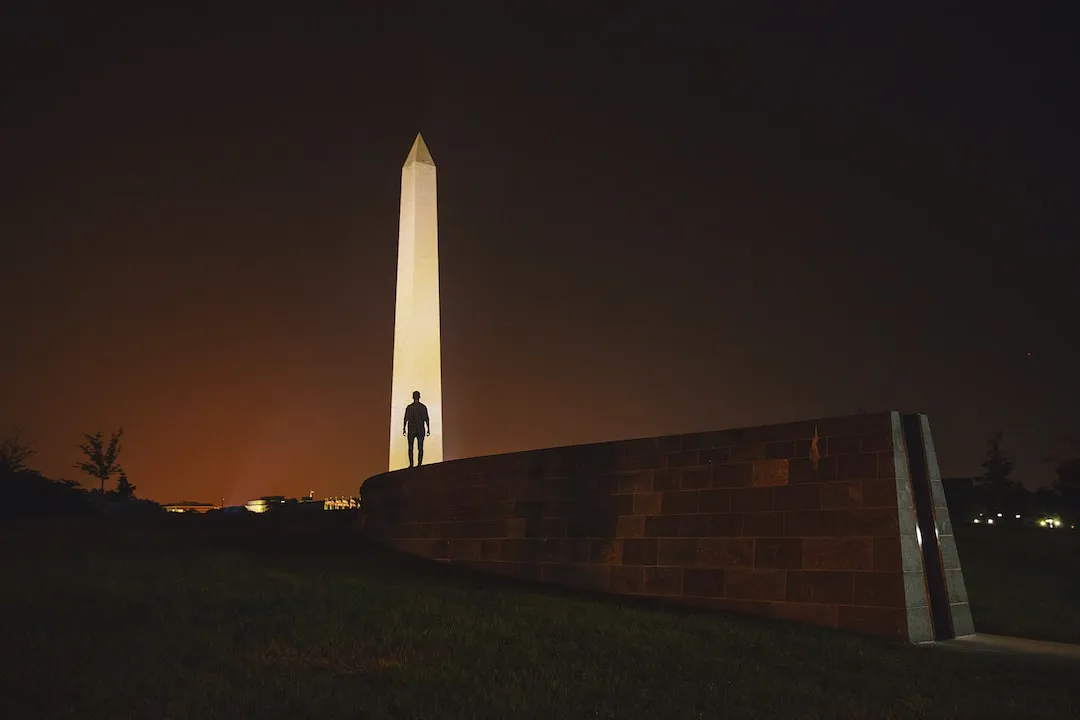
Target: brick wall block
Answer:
[[663, 580], [778, 553], [703, 582], [820, 586], [768, 473], [833, 553], [725, 552], [743, 584]]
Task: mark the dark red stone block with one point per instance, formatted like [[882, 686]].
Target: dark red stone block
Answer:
[[490, 549], [518, 549], [778, 553], [639, 552], [640, 462], [732, 475], [695, 478], [630, 526], [886, 465], [714, 501], [751, 499], [577, 550], [841, 495], [879, 493], [682, 552], [742, 584], [763, 524], [553, 527], [797, 497], [627, 580], [722, 524], [781, 450], [820, 586], [802, 470], [725, 552], [605, 552], [551, 549], [887, 554], [868, 521], [716, 455], [703, 582], [861, 466], [810, 523], [663, 580], [748, 453], [681, 502], [838, 553], [662, 526], [768, 473], [645, 504], [440, 549], [880, 589], [635, 482], [667, 479], [620, 504], [843, 445], [697, 441], [683, 458], [693, 526], [877, 442]]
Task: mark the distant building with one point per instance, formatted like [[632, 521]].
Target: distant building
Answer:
[[341, 503], [261, 505], [190, 507]]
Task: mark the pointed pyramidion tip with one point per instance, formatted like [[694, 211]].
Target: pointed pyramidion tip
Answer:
[[419, 153]]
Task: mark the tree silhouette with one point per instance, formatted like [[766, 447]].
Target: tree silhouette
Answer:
[[14, 453], [101, 460], [124, 489], [999, 489], [1067, 483]]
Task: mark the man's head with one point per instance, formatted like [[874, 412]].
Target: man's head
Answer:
[[416, 396]]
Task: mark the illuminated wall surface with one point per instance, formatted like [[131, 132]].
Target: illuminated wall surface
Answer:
[[417, 350], [839, 522]]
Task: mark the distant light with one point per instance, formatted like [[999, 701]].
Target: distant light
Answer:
[[977, 521], [999, 514], [1057, 523], [989, 521], [1018, 516]]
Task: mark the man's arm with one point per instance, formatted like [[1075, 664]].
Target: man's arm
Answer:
[[405, 422], [427, 420]]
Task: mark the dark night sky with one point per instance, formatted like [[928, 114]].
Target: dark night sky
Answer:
[[651, 221]]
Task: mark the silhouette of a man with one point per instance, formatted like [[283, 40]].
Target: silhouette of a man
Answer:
[[416, 421]]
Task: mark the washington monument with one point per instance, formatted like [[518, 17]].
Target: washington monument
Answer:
[[417, 347]]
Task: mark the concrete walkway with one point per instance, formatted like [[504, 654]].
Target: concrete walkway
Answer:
[[983, 642]]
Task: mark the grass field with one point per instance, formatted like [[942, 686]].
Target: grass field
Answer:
[[1023, 582], [187, 621]]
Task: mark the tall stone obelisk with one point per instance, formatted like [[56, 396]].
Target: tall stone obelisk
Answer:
[[417, 346]]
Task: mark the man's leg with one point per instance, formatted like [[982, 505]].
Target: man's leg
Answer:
[[420, 449], [411, 436]]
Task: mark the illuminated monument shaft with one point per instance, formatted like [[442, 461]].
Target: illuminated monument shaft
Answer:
[[417, 348]]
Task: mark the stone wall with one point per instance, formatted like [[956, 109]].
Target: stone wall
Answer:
[[759, 520]]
